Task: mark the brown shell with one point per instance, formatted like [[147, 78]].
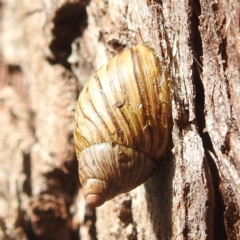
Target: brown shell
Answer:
[[122, 123]]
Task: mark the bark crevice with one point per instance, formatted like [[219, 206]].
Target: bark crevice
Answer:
[[69, 23]]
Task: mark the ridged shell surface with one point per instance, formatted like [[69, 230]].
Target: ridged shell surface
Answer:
[[127, 102]]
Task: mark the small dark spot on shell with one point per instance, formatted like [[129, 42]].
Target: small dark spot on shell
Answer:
[[119, 104], [123, 157]]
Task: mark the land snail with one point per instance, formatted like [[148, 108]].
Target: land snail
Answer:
[[122, 124]]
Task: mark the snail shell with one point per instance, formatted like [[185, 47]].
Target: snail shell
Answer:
[[122, 124]]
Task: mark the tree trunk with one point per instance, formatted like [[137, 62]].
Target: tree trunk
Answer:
[[49, 49]]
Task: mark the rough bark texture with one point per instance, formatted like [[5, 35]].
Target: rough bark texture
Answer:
[[48, 51]]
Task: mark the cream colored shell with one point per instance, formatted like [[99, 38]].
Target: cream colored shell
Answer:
[[123, 120]]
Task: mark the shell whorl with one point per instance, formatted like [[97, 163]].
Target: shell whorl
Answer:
[[115, 166], [126, 104]]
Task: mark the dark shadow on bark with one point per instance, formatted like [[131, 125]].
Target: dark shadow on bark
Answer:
[[159, 197], [63, 185], [219, 231], [69, 23], [90, 220]]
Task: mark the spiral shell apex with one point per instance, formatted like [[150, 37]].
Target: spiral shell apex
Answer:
[[122, 125]]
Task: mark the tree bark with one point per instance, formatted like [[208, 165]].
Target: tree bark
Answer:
[[49, 49]]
